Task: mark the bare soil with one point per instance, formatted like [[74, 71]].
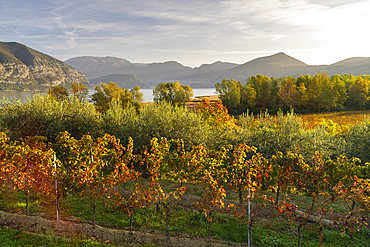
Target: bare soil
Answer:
[[119, 237]]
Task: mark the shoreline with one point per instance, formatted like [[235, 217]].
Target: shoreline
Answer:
[[211, 97]]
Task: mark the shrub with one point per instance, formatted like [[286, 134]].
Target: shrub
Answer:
[[30, 118], [321, 141], [155, 120], [358, 141], [44, 116], [286, 133], [76, 116]]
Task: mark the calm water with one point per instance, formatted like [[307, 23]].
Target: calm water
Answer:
[[17, 95], [148, 94]]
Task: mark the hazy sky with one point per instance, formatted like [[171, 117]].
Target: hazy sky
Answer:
[[191, 32]]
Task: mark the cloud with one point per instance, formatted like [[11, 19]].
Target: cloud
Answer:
[[336, 3], [160, 29]]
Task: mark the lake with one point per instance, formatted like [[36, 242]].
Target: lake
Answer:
[[148, 94]]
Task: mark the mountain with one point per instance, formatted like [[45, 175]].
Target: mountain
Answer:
[[151, 73], [204, 72], [352, 66], [20, 64], [92, 67], [281, 65], [273, 65], [207, 75], [124, 81]]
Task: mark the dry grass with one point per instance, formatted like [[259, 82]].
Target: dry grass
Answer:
[[344, 118], [191, 105]]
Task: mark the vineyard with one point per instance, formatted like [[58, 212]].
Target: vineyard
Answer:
[[94, 170], [264, 180], [343, 118]]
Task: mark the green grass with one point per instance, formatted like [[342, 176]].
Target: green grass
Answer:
[[15, 202], [270, 232], [14, 238], [183, 222]]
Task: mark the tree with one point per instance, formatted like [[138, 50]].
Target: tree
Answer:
[[173, 93], [315, 181], [289, 95], [44, 116], [230, 94], [236, 97], [137, 96], [106, 93], [358, 94], [302, 91], [339, 87], [354, 194], [91, 168], [157, 162], [138, 199], [264, 87], [348, 80], [185, 93], [248, 97], [320, 94], [305, 80], [88, 174], [247, 170], [79, 90], [212, 201], [285, 169], [5, 154], [59, 92], [31, 118], [30, 168], [216, 114], [75, 116], [156, 120]]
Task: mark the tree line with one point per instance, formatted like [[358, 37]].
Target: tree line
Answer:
[[171, 92], [304, 93]]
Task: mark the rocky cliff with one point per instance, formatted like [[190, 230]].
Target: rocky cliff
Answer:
[[20, 64]]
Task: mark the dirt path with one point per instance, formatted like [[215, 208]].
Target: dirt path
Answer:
[[119, 237]]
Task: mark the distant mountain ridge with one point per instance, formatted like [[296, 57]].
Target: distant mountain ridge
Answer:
[[92, 66], [20, 64], [268, 65], [281, 65], [207, 75], [152, 73], [125, 81]]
